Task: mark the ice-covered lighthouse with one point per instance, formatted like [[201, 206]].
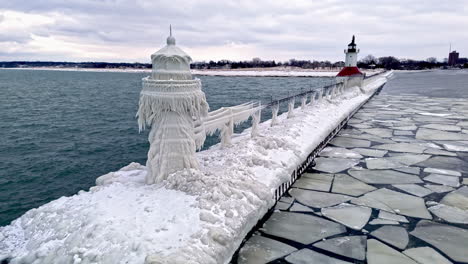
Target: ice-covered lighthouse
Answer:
[[350, 68], [171, 101]]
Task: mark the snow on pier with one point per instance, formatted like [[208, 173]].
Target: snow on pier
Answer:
[[194, 216]]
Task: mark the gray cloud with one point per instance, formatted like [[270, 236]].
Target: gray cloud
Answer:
[[276, 29]]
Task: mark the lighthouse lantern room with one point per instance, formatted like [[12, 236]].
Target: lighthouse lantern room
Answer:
[[350, 61]]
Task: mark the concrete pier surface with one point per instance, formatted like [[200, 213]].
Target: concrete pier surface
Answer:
[[390, 188]]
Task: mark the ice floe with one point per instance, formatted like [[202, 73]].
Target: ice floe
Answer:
[[259, 249], [350, 142], [334, 152], [315, 181], [402, 147], [450, 214], [451, 240], [457, 198], [392, 235], [352, 216], [349, 246], [394, 217], [297, 207], [301, 228], [452, 181], [438, 188], [394, 202], [379, 253], [318, 199], [306, 256], [432, 134], [334, 165], [350, 186], [384, 176], [426, 255], [371, 152], [442, 171], [413, 189]]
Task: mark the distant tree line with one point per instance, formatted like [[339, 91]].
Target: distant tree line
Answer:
[[391, 62], [258, 63], [63, 64], [368, 62]]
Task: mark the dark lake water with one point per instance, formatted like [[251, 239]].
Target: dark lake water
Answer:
[[59, 130]]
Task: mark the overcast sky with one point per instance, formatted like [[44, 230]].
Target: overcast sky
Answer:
[[129, 31]]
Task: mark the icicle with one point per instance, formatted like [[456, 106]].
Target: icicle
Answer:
[[291, 107], [256, 121], [303, 101], [274, 114], [226, 133], [312, 98]]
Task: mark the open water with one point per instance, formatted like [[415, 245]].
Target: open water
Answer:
[[59, 130]]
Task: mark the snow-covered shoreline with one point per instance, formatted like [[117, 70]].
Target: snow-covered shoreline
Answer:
[[194, 216], [265, 72]]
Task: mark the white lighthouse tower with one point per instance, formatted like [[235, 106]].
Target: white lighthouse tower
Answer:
[[351, 54], [350, 61]]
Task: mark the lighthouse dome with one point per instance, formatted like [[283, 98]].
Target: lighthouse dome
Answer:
[[170, 62]]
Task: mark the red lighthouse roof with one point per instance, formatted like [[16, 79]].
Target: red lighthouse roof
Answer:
[[348, 71]]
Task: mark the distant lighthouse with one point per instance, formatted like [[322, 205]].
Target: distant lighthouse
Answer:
[[351, 61]]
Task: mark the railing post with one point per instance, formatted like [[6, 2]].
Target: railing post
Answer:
[[291, 107], [274, 114], [255, 121], [303, 101]]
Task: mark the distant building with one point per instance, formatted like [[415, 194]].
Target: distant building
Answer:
[[453, 58], [350, 61]]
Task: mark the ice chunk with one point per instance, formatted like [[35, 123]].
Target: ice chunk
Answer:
[[352, 216], [413, 189], [297, 207], [371, 152], [447, 163], [379, 253], [403, 133], [450, 214], [443, 179], [381, 132], [425, 255], [442, 171], [334, 165], [406, 128], [438, 188], [282, 206], [260, 249], [431, 134], [394, 217], [395, 161], [456, 147], [439, 152], [457, 198], [379, 221], [349, 246], [402, 147], [394, 202], [318, 199], [449, 239], [444, 127], [346, 142], [384, 176], [301, 228], [333, 152], [348, 185], [305, 256], [393, 235], [410, 170], [315, 181]]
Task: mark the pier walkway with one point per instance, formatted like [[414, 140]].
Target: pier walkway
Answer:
[[390, 188]]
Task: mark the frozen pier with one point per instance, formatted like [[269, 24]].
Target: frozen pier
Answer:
[[391, 187]]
